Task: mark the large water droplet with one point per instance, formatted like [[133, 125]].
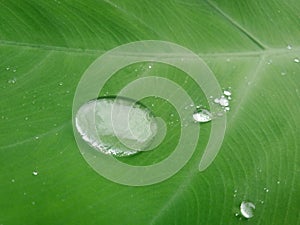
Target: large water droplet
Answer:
[[116, 126], [202, 116], [247, 209]]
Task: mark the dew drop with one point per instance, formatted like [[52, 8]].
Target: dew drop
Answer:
[[247, 209], [296, 60], [278, 182], [283, 73], [60, 83], [227, 93], [35, 173], [202, 116], [217, 101], [224, 101], [116, 126], [289, 47], [12, 81]]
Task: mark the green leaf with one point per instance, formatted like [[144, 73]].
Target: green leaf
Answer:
[[251, 46]]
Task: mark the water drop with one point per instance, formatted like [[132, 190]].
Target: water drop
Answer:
[[278, 182], [217, 101], [13, 180], [14, 70], [202, 116], [149, 67], [60, 83], [247, 209], [116, 126], [223, 101], [35, 173], [289, 47], [283, 73], [296, 60], [227, 93], [7, 68], [12, 81]]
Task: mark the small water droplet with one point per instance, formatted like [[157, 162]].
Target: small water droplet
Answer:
[[149, 67], [14, 70], [116, 126], [26, 118], [266, 189], [296, 60], [283, 73], [278, 182], [227, 108], [60, 83], [227, 93], [270, 61], [262, 202], [224, 101], [36, 137], [217, 101], [202, 116], [289, 47], [33, 203], [35, 173], [7, 68], [12, 81], [247, 209], [13, 180]]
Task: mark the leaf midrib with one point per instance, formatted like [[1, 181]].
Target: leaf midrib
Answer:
[[270, 51]]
